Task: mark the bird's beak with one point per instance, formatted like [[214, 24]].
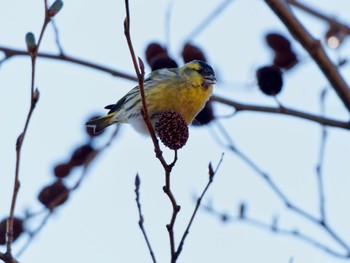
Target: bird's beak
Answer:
[[210, 79]]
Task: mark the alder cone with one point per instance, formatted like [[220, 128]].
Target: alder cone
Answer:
[[54, 195], [172, 130], [270, 80], [18, 229]]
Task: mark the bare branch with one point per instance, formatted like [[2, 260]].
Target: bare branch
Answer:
[[227, 218], [9, 53], [54, 203], [204, 24], [199, 200], [283, 110], [141, 218], [320, 222], [319, 166], [330, 20], [33, 49], [314, 48]]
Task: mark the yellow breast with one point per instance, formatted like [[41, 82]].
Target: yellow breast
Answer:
[[186, 98]]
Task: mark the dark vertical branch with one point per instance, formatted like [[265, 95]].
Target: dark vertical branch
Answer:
[[141, 218], [57, 38], [159, 155], [34, 97], [319, 166], [140, 77]]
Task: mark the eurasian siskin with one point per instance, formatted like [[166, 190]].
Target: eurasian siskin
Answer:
[[184, 90]]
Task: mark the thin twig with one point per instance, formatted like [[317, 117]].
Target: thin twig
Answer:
[[199, 200], [34, 233], [54, 203], [57, 37], [275, 229], [314, 48], [34, 97], [239, 107], [319, 166], [158, 152], [141, 218], [176, 209], [206, 21], [140, 76], [231, 146], [10, 53], [279, 193], [167, 24], [312, 11]]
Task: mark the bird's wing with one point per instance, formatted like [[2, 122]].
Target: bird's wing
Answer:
[[153, 78], [160, 75], [120, 103]]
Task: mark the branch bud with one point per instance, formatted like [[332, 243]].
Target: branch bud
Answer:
[[55, 8], [137, 181], [30, 41]]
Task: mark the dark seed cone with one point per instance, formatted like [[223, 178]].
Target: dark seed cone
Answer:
[[162, 61], [62, 170], [205, 116], [191, 52], [54, 195], [270, 80], [172, 130], [285, 57], [278, 42], [18, 229], [154, 50], [81, 154], [285, 60]]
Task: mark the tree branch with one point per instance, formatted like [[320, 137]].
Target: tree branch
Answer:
[[141, 219], [212, 173], [313, 47], [330, 20], [227, 218], [34, 97], [282, 110], [9, 53]]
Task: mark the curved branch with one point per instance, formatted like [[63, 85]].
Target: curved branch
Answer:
[[330, 20], [313, 47], [283, 110], [9, 52]]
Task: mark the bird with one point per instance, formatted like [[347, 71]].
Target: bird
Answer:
[[184, 90]]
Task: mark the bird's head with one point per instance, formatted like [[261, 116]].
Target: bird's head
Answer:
[[203, 69]]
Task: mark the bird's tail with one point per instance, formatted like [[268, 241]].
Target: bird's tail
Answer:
[[101, 123]]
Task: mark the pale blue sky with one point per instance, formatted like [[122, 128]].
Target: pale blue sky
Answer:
[[99, 222]]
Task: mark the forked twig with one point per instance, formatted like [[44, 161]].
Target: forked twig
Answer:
[[228, 218], [212, 173], [318, 221], [167, 167], [141, 218], [33, 101], [54, 203]]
